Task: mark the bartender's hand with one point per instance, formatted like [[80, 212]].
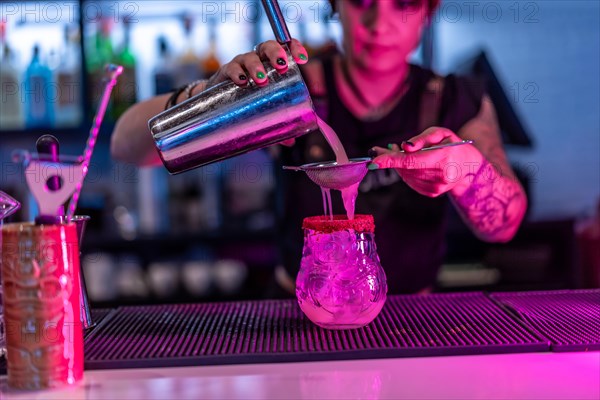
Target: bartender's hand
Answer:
[[249, 65], [435, 172]]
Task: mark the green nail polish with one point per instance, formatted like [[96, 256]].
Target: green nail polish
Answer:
[[373, 167], [390, 146], [260, 75], [302, 57]]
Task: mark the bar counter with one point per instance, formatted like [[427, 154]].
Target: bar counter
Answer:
[[508, 376], [521, 345]]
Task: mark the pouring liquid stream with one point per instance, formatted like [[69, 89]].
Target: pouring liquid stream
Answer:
[[349, 193]]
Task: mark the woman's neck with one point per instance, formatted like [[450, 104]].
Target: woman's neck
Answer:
[[369, 93]]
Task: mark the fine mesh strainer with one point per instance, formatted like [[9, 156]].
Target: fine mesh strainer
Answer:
[[331, 175]]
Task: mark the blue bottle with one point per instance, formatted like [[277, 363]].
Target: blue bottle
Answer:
[[39, 93]]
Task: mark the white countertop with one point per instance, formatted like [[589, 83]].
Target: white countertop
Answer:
[[509, 376]]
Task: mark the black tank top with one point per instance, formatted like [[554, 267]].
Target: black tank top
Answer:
[[409, 227]]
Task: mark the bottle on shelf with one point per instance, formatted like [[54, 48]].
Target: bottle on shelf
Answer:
[[100, 52], [11, 112], [164, 75], [188, 65], [39, 112], [210, 63], [68, 110], [125, 93]]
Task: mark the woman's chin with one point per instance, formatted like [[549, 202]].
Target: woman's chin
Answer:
[[381, 66]]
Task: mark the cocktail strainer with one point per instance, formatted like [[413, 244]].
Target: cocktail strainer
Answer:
[[331, 175]]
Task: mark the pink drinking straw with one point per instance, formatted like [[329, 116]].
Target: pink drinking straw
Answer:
[[110, 80]]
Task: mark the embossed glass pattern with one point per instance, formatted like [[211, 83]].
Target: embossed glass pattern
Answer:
[[341, 284]]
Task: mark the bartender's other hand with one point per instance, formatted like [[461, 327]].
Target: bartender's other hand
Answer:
[[430, 173], [249, 65]]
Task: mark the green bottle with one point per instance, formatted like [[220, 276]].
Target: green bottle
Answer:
[[100, 53], [125, 94]]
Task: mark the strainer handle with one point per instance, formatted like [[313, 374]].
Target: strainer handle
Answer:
[[277, 21]]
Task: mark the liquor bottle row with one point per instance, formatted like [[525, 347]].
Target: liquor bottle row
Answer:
[[47, 93], [170, 71], [161, 47]]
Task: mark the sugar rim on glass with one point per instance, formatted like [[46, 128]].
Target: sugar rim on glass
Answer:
[[323, 223]]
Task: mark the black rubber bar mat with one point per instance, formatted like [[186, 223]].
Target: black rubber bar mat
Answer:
[[570, 319], [98, 314], [278, 331]]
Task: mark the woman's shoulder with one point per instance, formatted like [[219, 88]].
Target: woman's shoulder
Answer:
[[451, 85], [460, 96], [465, 88]]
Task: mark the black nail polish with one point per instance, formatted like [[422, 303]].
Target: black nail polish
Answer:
[[411, 144], [281, 61], [242, 77]]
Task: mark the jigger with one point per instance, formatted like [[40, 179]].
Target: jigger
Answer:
[[81, 222]]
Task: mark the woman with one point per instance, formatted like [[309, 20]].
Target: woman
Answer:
[[372, 97]]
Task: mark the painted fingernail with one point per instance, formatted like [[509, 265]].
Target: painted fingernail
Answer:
[[303, 57], [281, 61], [372, 153], [411, 144], [390, 146], [260, 75], [242, 77], [373, 167]]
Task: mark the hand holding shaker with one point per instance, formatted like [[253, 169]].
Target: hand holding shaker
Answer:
[[227, 120]]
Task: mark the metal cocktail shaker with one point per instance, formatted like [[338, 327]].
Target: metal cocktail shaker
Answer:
[[227, 120]]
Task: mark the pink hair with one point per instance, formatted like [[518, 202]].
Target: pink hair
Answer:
[[433, 5]]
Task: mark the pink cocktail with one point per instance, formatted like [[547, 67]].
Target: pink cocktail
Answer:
[[341, 284]]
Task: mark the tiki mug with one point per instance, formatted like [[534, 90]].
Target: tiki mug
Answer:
[[44, 335]]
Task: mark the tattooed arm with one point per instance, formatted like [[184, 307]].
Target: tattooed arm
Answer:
[[489, 197], [477, 177]]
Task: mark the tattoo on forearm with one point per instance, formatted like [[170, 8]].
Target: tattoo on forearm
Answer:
[[493, 204]]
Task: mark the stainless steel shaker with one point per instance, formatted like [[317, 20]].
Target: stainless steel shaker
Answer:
[[227, 120]]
